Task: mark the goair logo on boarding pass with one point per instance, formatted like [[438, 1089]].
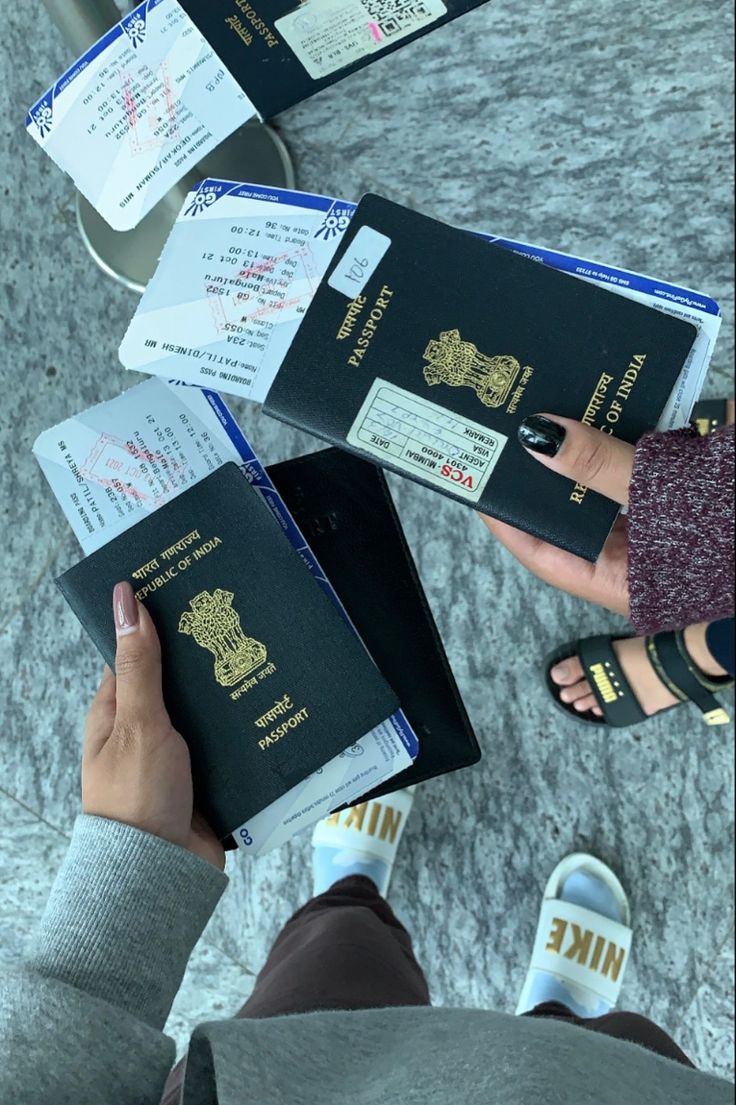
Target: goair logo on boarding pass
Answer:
[[426, 441]]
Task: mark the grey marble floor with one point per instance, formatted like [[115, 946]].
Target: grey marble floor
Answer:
[[597, 127]]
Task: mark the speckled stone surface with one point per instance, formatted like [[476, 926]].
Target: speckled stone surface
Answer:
[[599, 128]]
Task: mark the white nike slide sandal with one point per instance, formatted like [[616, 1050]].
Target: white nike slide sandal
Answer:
[[585, 951], [371, 829]]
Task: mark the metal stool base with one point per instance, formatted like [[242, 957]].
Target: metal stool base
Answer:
[[255, 153]]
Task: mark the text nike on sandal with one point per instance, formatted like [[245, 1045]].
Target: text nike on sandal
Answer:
[[585, 951]]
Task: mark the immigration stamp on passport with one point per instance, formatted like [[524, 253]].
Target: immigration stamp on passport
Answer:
[[426, 441]]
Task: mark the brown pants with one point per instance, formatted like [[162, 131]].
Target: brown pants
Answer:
[[346, 950]]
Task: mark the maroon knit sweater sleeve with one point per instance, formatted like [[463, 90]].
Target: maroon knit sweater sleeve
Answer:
[[681, 529]]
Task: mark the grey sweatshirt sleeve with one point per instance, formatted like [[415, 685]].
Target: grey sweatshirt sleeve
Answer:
[[81, 1021]]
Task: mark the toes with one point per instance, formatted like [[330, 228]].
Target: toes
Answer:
[[567, 672], [587, 702], [578, 690]]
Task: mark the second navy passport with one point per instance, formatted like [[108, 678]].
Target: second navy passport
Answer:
[[281, 51], [261, 675], [425, 347]]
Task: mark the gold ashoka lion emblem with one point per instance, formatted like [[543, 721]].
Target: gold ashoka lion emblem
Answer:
[[458, 363], [215, 626]]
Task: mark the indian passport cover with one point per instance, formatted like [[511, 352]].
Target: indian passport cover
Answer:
[[426, 346], [344, 508], [262, 676], [281, 52]]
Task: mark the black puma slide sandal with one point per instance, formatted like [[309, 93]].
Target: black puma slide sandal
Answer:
[[613, 692]]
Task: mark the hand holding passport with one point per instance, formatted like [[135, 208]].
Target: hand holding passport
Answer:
[[135, 767], [425, 347], [419, 346], [241, 604], [261, 675], [421, 350]]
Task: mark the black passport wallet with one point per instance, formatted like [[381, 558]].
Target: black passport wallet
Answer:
[[280, 52], [344, 508], [425, 346], [262, 676]]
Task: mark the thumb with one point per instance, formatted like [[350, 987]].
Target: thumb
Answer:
[[138, 657], [590, 457]]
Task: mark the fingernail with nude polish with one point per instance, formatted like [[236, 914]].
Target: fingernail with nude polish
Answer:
[[125, 608], [541, 435]]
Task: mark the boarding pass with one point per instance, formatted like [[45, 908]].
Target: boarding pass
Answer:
[[138, 110], [241, 266], [114, 463], [237, 274]]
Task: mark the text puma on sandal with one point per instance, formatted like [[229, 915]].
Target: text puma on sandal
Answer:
[[615, 695]]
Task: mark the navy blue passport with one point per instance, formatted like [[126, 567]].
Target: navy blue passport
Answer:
[[425, 346], [281, 52], [262, 676]]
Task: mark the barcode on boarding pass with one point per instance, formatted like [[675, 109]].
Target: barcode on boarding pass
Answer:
[[426, 441]]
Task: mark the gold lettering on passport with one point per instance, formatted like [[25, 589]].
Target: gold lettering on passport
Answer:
[[206, 548], [242, 32], [247, 685], [630, 376], [253, 681], [185, 561], [215, 626], [518, 392], [597, 400], [354, 308], [146, 569], [156, 583], [369, 327], [459, 363], [578, 493], [258, 25], [615, 409], [181, 545], [280, 707]]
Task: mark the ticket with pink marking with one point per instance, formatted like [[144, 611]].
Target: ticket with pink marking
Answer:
[[234, 281], [112, 464], [138, 110]]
